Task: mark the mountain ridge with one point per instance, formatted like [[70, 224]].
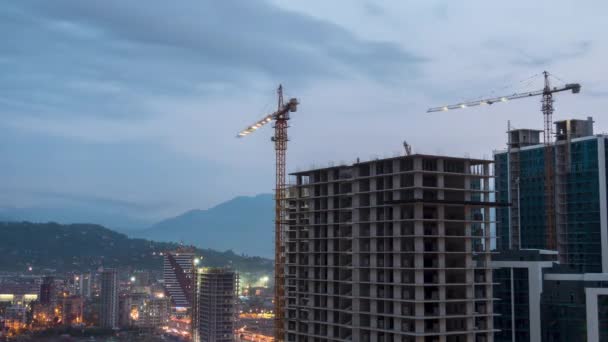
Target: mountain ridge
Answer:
[[243, 224], [88, 246]]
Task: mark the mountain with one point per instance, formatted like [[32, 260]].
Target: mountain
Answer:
[[88, 246], [243, 224], [66, 214]]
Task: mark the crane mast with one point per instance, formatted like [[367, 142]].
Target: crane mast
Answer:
[[280, 146], [547, 109], [280, 138], [549, 164]]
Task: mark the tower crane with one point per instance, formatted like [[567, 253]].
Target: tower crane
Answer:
[[547, 110], [280, 118]]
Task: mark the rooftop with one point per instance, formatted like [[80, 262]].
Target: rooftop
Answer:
[[473, 161]]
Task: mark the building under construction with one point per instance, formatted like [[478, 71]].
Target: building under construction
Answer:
[[395, 249]]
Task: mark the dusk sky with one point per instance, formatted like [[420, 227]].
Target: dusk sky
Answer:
[[136, 104]]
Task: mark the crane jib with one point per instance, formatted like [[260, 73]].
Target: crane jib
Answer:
[[574, 87]]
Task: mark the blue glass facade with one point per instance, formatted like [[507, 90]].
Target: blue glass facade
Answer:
[[501, 183], [583, 249], [578, 193], [521, 308]]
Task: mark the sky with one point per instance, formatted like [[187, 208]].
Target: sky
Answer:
[[136, 104]]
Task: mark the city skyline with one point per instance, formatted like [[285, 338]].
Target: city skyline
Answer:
[[137, 107]]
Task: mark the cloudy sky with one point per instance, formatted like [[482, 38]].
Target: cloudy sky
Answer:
[[136, 103]]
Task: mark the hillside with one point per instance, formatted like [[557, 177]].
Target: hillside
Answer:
[[243, 224], [87, 246]]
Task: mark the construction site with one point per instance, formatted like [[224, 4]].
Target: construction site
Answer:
[[407, 248]]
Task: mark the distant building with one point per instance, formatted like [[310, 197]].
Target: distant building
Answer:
[[155, 312], [178, 279], [72, 309], [108, 312], [48, 291], [19, 290], [394, 249], [85, 283], [15, 317], [131, 304], [214, 310]]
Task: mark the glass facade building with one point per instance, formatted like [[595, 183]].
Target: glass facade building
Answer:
[[560, 296], [579, 199]]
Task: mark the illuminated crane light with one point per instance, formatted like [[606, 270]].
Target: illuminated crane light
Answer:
[[445, 109], [463, 106], [280, 141], [547, 111]]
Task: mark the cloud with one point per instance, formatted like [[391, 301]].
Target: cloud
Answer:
[[140, 101], [73, 51], [373, 9], [521, 52]]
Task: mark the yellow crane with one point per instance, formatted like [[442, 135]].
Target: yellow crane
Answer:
[[280, 138]]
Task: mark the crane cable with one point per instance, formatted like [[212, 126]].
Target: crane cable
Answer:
[[492, 93]]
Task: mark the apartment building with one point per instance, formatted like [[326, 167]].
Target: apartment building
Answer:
[[214, 310], [393, 249]]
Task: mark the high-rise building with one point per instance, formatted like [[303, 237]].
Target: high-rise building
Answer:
[[579, 200], [214, 310], [48, 291], [84, 284], [552, 283], [108, 312], [178, 279], [395, 249]]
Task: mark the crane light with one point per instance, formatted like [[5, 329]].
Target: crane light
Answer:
[[463, 106], [445, 109], [503, 99]]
